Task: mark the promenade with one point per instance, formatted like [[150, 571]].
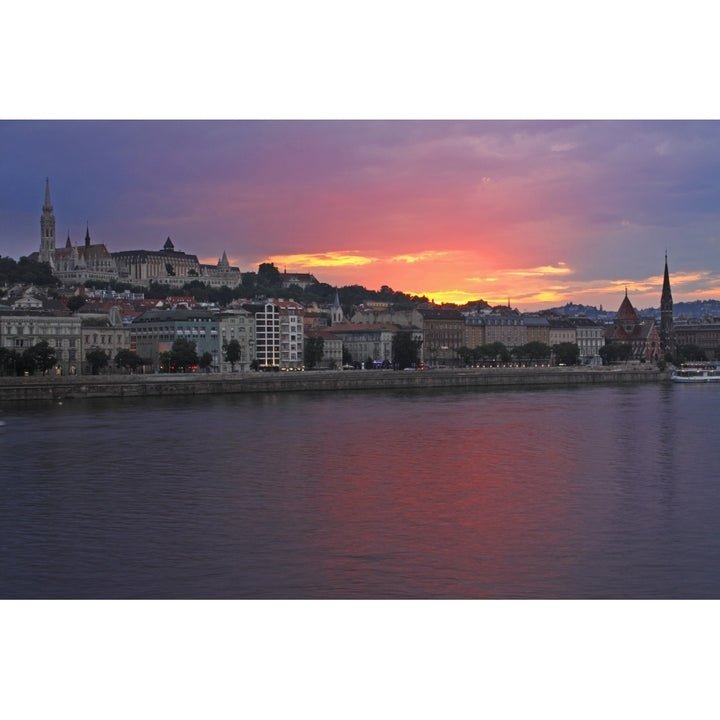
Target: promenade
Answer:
[[58, 388]]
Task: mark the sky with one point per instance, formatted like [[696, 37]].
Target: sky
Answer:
[[534, 213]]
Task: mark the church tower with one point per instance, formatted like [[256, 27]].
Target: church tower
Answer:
[[336, 312], [47, 229], [667, 334]]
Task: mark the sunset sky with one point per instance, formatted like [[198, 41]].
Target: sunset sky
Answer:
[[537, 213]]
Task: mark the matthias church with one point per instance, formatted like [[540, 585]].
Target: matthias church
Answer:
[[76, 264]]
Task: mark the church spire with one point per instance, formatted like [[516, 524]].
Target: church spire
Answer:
[[48, 202], [47, 229], [667, 329], [336, 312]]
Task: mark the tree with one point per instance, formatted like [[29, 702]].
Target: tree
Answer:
[[405, 350], [128, 360], [468, 356], [75, 302], [183, 355], [98, 359], [27, 272], [232, 351], [615, 351], [269, 277], [566, 353], [206, 360], [45, 357], [165, 361], [314, 351], [8, 361], [492, 352], [533, 350]]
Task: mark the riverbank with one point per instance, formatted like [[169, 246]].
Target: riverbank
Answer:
[[53, 389]]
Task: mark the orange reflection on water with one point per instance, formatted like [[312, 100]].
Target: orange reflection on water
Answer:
[[453, 513]]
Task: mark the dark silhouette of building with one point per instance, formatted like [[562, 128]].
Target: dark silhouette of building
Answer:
[[667, 330]]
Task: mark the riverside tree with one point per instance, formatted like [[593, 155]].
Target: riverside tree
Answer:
[[534, 350], [183, 355], [205, 361], [615, 352], [97, 359], [232, 352], [405, 350], [128, 360], [314, 351], [566, 353]]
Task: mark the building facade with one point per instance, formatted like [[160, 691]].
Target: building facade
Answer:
[[704, 334], [174, 268], [371, 341], [106, 332], [641, 334], [236, 324], [279, 334], [590, 337], [443, 331], [155, 331], [20, 330]]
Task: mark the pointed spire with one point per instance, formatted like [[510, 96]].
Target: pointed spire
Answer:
[[87, 235], [48, 202], [666, 294]]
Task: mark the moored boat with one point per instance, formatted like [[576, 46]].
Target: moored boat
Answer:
[[697, 373]]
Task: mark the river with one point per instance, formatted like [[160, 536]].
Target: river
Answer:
[[583, 492]]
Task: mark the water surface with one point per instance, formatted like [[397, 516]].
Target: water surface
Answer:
[[589, 492]]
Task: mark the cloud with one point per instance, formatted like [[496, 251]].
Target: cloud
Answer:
[[542, 271], [333, 259], [427, 255], [563, 147]]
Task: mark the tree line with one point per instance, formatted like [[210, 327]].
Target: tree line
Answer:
[[565, 353]]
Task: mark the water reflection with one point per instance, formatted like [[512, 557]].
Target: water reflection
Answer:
[[584, 492]]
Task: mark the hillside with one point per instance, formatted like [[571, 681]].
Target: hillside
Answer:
[[696, 310]]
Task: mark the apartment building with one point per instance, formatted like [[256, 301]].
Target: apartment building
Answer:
[[279, 334], [155, 331], [443, 335], [22, 329]]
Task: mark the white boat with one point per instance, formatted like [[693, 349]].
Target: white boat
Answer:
[[697, 373]]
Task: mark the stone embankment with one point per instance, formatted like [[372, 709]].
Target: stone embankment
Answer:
[[121, 386]]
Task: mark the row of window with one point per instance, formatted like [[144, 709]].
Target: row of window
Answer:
[[40, 330]]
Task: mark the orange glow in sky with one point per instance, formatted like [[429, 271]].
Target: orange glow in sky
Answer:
[[537, 214]]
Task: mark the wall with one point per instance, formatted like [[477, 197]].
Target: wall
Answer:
[[62, 388]]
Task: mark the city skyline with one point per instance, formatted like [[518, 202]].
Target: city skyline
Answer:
[[535, 213]]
